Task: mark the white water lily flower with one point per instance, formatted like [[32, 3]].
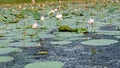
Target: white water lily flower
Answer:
[[76, 9], [59, 16], [42, 18], [52, 11], [20, 6], [13, 10], [35, 25], [6, 8], [24, 8], [32, 7], [91, 21], [55, 10]]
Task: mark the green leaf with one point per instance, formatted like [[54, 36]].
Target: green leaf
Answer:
[[36, 15], [82, 30], [9, 50], [99, 42], [48, 64], [60, 42], [5, 59], [67, 34]]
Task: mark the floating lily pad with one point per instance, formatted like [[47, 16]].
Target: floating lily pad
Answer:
[[46, 35], [2, 35], [97, 42], [108, 32], [118, 37], [77, 38], [58, 38], [67, 34], [60, 42], [25, 44], [48, 64], [5, 59], [9, 50], [5, 41], [82, 30]]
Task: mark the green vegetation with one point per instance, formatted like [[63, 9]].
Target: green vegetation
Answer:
[[66, 28], [24, 1], [47, 64], [42, 53], [99, 42], [5, 59]]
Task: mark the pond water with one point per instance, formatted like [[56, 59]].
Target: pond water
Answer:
[[27, 40]]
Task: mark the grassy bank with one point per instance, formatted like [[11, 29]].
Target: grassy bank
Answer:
[[25, 1]]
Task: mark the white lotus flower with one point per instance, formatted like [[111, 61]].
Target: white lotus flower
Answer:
[[76, 9], [59, 16], [35, 25], [42, 18], [52, 11], [32, 7], [20, 6], [13, 10], [91, 21], [55, 10], [24, 8], [6, 8]]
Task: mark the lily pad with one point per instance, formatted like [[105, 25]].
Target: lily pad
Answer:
[[99, 42], [46, 35], [108, 32], [48, 64], [24, 44], [67, 34], [58, 38], [5, 59], [2, 35], [60, 42], [77, 38], [5, 41], [9, 50], [118, 37]]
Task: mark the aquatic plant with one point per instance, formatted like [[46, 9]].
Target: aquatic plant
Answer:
[[99, 42], [59, 17], [9, 50], [47, 64], [5, 59], [83, 31], [42, 20], [42, 53], [36, 14], [65, 28], [91, 22], [34, 27], [60, 42]]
